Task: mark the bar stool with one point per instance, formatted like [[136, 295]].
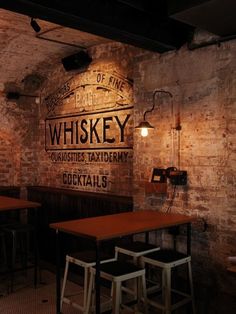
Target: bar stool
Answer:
[[19, 236], [118, 272], [136, 249], [86, 260], [166, 260]]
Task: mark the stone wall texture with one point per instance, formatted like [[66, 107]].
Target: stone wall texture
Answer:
[[202, 82], [19, 142]]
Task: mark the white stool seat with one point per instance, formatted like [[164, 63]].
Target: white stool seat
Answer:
[[166, 260], [117, 272], [86, 260], [136, 249]]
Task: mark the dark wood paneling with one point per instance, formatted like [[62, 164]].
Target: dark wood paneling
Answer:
[[61, 205], [11, 191]]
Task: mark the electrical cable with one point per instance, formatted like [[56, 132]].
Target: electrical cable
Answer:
[[168, 210], [179, 149], [172, 132]]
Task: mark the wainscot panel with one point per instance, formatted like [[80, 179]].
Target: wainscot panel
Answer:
[[62, 204]]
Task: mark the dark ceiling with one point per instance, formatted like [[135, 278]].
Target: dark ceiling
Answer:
[[158, 25]]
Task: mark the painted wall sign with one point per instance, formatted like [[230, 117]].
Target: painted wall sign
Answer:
[[92, 90], [89, 131], [75, 179], [91, 157], [100, 130]]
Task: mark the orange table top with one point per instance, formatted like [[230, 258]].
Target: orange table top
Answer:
[[117, 225], [10, 203]]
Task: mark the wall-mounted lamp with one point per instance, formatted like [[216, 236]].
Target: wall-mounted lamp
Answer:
[[35, 25], [16, 96], [144, 125]]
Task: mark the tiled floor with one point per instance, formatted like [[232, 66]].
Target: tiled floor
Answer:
[[27, 300]]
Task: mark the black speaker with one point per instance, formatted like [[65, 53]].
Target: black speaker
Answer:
[[76, 61]]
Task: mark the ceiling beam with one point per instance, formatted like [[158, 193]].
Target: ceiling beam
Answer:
[[115, 20]]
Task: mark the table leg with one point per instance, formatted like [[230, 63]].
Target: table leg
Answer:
[[58, 275], [189, 231], [97, 278], [35, 247]]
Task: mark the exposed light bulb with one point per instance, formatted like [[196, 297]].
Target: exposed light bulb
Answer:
[[37, 100], [144, 132]]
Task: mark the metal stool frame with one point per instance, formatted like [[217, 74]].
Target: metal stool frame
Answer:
[[166, 264]]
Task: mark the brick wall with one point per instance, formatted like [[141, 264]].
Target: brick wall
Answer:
[[18, 140], [203, 86]]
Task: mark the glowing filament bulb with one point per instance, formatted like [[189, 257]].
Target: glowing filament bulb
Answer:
[[144, 132]]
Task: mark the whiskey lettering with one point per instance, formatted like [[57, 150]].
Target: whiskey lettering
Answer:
[[93, 131]]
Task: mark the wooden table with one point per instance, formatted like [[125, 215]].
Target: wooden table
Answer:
[[113, 226], [10, 204]]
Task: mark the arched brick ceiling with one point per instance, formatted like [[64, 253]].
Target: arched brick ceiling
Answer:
[[23, 55]]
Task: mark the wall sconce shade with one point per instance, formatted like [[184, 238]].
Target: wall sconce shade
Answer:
[[13, 95], [35, 25], [16, 96], [144, 125]]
